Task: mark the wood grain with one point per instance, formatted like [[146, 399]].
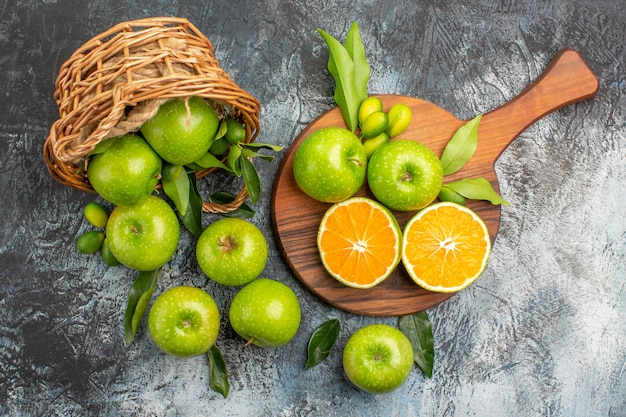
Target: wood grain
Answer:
[[296, 216]]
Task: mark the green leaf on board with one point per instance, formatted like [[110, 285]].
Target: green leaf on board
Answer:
[[341, 67], [354, 46], [476, 189], [192, 219], [461, 147], [251, 179], [418, 329], [178, 191], [321, 342], [218, 373], [138, 298], [243, 212]]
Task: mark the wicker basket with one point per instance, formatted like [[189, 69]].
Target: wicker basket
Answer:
[[118, 79]]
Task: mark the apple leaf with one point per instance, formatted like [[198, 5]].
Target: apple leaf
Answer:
[[341, 67], [321, 342], [192, 218], [218, 372], [476, 189], [178, 191], [138, 298], [251, 179], [243, 212], [354, 46], [418, 329], [461, 147]]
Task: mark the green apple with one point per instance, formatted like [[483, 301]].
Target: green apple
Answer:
[[144, 236], [330, 164], [404, 175], [232, 251], [127, 172], [266, 313], [182, 130], [378, 358], [184, 321]]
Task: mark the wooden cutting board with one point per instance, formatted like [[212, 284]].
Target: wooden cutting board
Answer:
[[296, 216]]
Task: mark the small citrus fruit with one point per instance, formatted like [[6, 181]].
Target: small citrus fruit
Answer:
[[235, 132], [90, 242], [445, 247], [374, 124], [96, 214], [372, 144], [400, 116], [369, 106], [359, 242]]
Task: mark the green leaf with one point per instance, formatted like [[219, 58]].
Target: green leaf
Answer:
[[476, 189], [248, 153], [192, 219], [341, 68], [138, 298], [251, 179], [321, 342], [257, 145], [418, 329], [178, 191], [243, 212], [211, 161], [217, 371], [221, 130], [354, 46], [461, 147], [233, 160]]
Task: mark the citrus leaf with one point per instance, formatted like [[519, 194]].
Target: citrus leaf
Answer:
[[461, 147], [138, 298], [243, 212], [221, 130], [251, 179], [218, 373], [321, 342], [341, 68], [209, 160], [256, 145], [354, 46], [248, 153], [233, 160], [418, 329], [178, 191], [192, 219], [477, 189]]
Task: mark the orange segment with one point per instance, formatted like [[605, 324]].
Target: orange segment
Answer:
[[445, 247], [359, 241]]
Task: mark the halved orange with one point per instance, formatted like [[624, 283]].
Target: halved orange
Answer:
[[445, 247], [359, 242]]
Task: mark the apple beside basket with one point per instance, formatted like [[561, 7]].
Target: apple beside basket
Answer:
[[117, 80]]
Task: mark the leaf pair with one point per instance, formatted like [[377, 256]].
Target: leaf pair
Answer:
[[349, 68], [456, 154]]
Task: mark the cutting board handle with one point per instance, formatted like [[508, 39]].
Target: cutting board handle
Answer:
[[566, 80]]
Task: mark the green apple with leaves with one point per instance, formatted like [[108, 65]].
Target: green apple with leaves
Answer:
[[184, 321], [330, 164], [404, 175], [143, 236], [378, 358], [182, 130], [265, 313], [126, 171]]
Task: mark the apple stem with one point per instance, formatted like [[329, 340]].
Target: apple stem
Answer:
[[407, 176], [358, 162], [134, 229], [249, 342]]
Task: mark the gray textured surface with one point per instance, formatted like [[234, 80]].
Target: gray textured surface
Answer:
[[542, 333]]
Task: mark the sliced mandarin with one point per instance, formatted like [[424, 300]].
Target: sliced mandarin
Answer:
[[445, 247], [359, 241]]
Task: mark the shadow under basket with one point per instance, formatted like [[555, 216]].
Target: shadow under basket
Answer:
[[117, 80]]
